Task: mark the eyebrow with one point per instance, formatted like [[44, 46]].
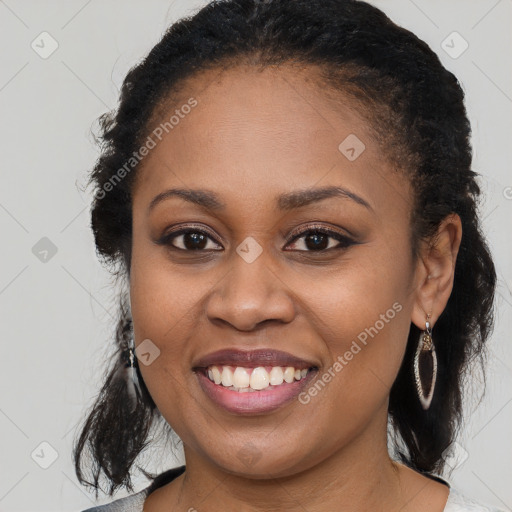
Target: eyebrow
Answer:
[[285, 202]]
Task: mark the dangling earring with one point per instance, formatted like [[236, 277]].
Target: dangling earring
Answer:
[[132, 380], [425, 366]]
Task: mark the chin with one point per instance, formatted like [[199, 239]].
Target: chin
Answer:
[[250, 462]]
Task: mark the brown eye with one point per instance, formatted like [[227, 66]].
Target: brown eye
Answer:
[[188, 240], [317, 240]]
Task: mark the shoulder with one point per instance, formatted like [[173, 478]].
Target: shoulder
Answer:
[[135, 502], [459, 502]]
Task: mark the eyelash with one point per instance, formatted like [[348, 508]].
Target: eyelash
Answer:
[[344, 241]]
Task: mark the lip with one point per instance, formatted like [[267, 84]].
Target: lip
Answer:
[[253, 403], [252, 359]]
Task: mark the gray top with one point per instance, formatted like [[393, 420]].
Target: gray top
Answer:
[[457, 501]]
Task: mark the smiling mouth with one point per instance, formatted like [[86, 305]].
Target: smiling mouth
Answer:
[[253, 391], [248, 380]]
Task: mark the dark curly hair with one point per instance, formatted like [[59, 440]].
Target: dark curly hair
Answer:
[[416, 110]]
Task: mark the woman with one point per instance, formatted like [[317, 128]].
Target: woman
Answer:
[[286, 190]]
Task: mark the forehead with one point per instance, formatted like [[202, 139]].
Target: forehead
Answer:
[[264, 132]]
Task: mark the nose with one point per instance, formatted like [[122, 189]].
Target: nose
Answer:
[[250, 295]]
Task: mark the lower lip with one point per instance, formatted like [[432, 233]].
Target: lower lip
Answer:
[[256, 402]]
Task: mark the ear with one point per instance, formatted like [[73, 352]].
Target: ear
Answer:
[[435, 271]]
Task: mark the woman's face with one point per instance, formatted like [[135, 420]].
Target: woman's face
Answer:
[[259, 279]]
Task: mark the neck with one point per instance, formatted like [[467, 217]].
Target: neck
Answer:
[[358, 477]]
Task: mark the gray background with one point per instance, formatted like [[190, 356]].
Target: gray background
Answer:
[[56, 313]]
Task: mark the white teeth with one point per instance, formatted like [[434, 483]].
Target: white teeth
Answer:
[[249, 380], [259, 379], [289, 374], [227, 377], [241, 378], [276, 376], [216, 375]]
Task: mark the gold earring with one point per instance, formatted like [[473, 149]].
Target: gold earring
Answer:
[[425, 366]]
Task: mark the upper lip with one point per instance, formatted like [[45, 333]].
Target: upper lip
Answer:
[[252, 359]]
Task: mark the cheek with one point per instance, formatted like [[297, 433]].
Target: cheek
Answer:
[[363, 316], [159, 309], [167, 304], [163, 295], [362, 292]]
